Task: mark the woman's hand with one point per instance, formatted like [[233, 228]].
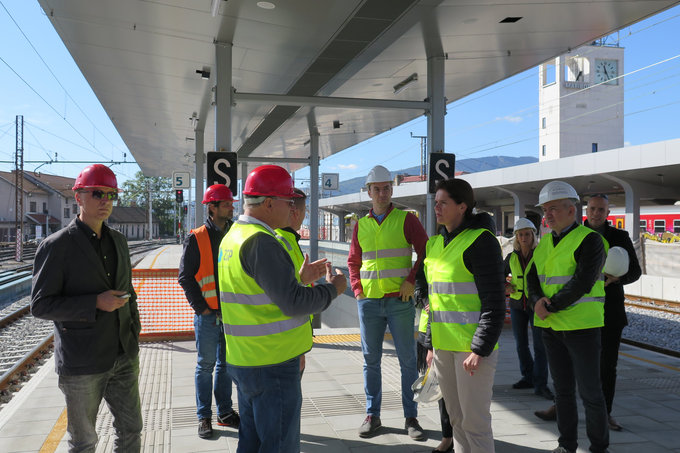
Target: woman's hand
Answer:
[[472, 363], [430, 356]]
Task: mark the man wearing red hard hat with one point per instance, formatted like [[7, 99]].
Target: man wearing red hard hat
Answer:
[[82, 280], [266, 314], [198, 278]]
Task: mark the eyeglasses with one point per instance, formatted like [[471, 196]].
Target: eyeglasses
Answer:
[[601, 195], [291, 201], [99, 194]]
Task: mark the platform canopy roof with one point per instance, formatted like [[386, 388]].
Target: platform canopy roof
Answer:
[[141, 58]]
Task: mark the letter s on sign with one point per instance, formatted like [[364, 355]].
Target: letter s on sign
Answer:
[[439, 164], [222, 174]]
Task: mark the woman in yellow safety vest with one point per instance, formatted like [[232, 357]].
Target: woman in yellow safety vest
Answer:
[[462, 275], [534, 370]]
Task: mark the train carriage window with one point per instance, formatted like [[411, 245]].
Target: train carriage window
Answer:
[[676, 226], [659, 226], [643, 224], [609, 222]]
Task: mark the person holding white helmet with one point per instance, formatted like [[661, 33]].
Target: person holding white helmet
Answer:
[[266, 314], [199, 280], [534, 370], [82, 280], [566, 289], [382, 276]]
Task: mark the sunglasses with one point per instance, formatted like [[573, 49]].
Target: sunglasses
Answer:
[[601, 195], [99, 194]]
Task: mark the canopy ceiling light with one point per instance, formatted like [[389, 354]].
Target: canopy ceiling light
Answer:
[[204, 74], [401, 86], [215, 7]]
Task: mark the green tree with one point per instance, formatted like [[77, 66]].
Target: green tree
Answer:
[[163, 198]]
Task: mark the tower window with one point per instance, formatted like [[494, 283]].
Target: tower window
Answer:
[[543, 150], [549, 73], [594, 147], [544, 123]]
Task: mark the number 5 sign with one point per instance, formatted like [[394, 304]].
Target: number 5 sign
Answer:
[[222, 170], [181, 180], [330, 181]]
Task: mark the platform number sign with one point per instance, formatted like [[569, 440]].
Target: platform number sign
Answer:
[[222, 169], [442, 166], [181, 180], [330, 181]]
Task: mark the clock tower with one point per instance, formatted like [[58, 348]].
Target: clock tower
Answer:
[[581, 102]]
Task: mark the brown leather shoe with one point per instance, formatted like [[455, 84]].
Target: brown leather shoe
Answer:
[[613, 424], [549, 415]]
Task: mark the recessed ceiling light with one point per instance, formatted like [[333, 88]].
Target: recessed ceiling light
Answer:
[[266, 5], [377, 84], [510, 20], [470, 21]]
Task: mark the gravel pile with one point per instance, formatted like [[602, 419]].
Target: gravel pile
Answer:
[[653, 327]]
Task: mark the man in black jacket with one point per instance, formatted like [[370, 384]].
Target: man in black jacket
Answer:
[[198, 277], [614, 309], [82, 280]]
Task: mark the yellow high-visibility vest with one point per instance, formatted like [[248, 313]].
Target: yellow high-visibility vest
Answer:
[[555, 266], [257, 332], [386, 256], [455, 305], [517, 278]]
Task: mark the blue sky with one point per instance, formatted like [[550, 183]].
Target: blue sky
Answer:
[[65, 117]]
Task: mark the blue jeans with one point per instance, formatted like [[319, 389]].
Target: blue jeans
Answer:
[[269, 401], [574, 358], [374, 316], [534, 371], [212, 353], [119, 387]]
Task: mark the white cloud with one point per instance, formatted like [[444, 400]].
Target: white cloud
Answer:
[[625, 144], [511, 119], [347, 167]]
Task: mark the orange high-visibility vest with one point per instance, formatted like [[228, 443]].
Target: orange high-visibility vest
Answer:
[[206, 272]]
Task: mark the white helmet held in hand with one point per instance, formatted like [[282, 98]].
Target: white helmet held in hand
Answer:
[[557, 190], [617, 262], [522, 224], [426, 388], [378, 174]]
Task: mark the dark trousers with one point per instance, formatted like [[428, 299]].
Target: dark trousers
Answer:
[[534, 370], [447, 429], [611, 340], [574, 358]]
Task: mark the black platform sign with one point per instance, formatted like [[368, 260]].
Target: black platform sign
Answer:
[[222, 170], [442, 166]]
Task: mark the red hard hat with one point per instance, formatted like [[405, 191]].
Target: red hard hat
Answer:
[[217, 192], [270, 181], [96, 175]]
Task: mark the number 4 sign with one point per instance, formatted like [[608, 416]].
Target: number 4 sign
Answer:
[[330, 181]]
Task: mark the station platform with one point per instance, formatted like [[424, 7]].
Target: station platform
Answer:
[[647, 404]]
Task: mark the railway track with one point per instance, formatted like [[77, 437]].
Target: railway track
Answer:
[[25, 342]]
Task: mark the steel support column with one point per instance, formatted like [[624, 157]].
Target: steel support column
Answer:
[[632, 206], [200, 178], [435, 125], [244, 175], [314, 194], [223, 94]]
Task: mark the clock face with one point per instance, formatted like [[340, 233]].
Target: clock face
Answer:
[[606, 71]]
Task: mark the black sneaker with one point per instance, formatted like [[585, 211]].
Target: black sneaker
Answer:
[[545, 393], [522, 384], [205, 428], [229, 419], [415, 431], [369, 426]]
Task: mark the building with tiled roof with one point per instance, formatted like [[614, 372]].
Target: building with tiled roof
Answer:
[[132, 221]]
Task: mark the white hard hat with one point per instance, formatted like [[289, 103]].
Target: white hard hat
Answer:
[[617, 262], [522, 224], [557, 190], [426, 388], [378, 174]]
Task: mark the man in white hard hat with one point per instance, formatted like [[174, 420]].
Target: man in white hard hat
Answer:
[[614, 309], [382, 276], [566, 288]]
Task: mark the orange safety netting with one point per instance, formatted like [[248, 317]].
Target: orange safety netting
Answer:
[[163, 308]]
